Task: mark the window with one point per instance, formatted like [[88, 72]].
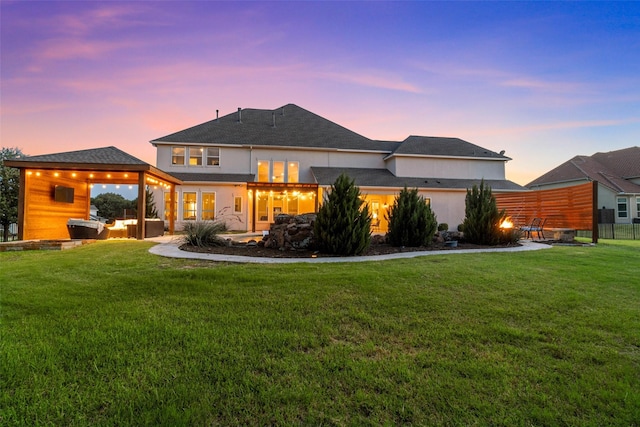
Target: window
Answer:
[[189, 205], [208, 206], [622, 207], [278, 172], [263, 171], [237, 204], [167, 205], [195, 156], [292, 205], [177, 155], [213, 156], [293, 172], [263, 206], [638, 207]]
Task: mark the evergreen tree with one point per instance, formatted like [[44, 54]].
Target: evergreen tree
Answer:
[[482, 217], [150, 208], [411, 220], [9, 190], [343, 223]]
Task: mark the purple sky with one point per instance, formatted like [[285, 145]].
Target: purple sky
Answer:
[[543, 81]]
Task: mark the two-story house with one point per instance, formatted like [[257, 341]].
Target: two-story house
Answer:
[[246, 167]]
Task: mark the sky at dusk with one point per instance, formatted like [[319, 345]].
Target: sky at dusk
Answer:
[[542, 81]]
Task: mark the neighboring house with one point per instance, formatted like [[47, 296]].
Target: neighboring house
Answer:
[[246, 167], [618, 176]]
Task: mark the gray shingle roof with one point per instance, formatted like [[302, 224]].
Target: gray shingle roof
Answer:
[[294, 127], [383, 178], [611, 169], [297, 127], [105, 156], [440, 146], [187, 177]]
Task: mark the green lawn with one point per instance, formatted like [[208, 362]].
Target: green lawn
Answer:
[[108, 334]]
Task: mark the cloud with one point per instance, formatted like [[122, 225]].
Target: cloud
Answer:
[[106, 15], [370, 80], [574, 124], [70, 48], [526, 82]]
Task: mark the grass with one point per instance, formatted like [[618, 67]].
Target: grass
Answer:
[[108, 334]]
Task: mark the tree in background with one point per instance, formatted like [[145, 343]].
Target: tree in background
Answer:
[[482, 218], [9, 190], [150, 204], [343, 223], [112, 205], [411, 220], [150, 208]]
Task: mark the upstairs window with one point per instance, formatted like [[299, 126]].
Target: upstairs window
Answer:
[[177, 156], [195, 156], [213, 156], [293, 174], [263, 171], [278, 172]]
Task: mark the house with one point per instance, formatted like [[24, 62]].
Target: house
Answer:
[[246, 167], [617, 174]]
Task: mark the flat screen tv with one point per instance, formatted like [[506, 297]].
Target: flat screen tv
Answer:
[[63, 194]]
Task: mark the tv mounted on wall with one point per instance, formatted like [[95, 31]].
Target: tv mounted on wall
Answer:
[[63, 194]]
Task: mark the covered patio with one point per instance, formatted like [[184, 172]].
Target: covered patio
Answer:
[[57, 187]]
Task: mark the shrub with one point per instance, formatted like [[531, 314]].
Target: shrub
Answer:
[[482, 218], [443, 226], [343, 223], [204, 233], [411, 220]]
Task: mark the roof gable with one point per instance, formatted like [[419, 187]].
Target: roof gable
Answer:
[[287, 126], [105, 156]]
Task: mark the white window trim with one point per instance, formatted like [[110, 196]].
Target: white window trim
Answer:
[[618, 211], [206, 157], [182, 213], [184, 155], [215, 201], [241, 205]]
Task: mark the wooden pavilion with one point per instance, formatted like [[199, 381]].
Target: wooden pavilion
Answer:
[[57, 187]]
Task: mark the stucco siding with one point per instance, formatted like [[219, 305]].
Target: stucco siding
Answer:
[[446, 168]]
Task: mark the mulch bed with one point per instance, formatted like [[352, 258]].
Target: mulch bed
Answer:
[[243, 249]]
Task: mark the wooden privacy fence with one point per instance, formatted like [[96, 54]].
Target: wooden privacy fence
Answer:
[[567, 207]]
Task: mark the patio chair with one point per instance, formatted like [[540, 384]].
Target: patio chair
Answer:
[[533, 226]]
